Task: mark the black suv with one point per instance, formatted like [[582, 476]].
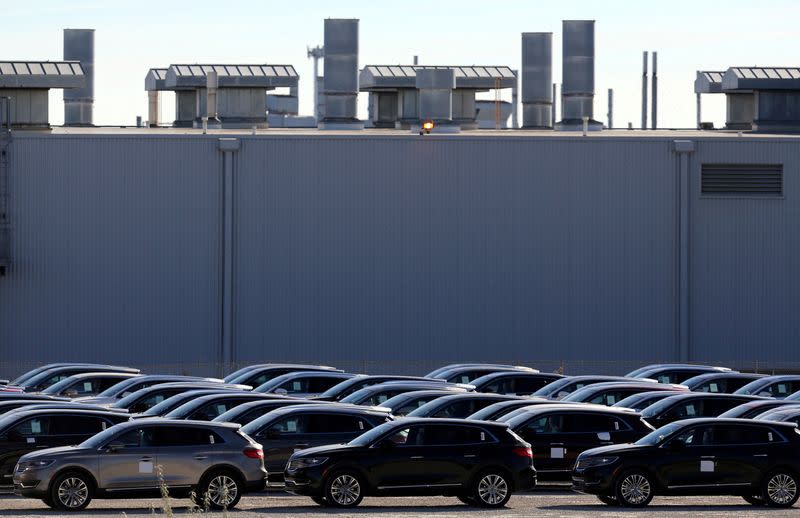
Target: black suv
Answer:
[[513, 382], [255, 375], [208, 408], [360, 381], [691, 405], [481, 463], [34, 429], [753, 409], [721, 382], [496, 411], [379, 394], [252, 410], [757, 460], [558, 433], [459, 406], [642, 400], [146, 398], [468, 373], [674, 372], [403, 404], [286, 430], [609, 393], [562, 388]]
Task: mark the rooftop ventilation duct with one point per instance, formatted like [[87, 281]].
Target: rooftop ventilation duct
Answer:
[[537, 79], [340, 78], [577, 88], [26, 85], [435, 86], [79, 102]]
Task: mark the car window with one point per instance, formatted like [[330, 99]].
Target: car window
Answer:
[[714, 387], [686, 410], [410, 407], [441, 435], [379, 398], [591, 423], [608, 398], [700, 436], [733, 435], [460, 378], [76, 425], [781, 389], [553, 423], [33, 427], [500, 386], [411, 436], [456, 409], [319, 385], [211, 411], [136, 438], [335, 423], [295, 386], [287, 425], [184, 436], [529, 384]]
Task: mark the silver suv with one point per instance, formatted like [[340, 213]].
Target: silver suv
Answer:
[[135, 459]]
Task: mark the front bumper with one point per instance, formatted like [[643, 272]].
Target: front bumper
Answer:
[[305, 481], [29, 483], [594, 481]]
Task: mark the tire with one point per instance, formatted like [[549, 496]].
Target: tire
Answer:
[[344, 489], [779, 488], [754, 500], [48, 502], [633, 489], [224, 490], [608, 500], [466, 500], [71, 491], [491, 489], [320, 500]]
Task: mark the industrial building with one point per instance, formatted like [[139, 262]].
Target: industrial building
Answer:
[[193, 250]]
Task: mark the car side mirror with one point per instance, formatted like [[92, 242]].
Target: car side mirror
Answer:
[[114, 447], [71, 393], [765, 393], [281, 391]]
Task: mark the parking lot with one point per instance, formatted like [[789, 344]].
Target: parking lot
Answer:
[[550, 504]]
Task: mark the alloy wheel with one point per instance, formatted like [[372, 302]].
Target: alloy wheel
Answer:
[[492, 489], [635, 489], [345, 490], [781, 488], [222, 490], [72, 492]]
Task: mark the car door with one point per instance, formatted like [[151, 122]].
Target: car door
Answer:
[[185, 453], [689, 459], [131, 462], [281, 438], [743, 453], [22, 437], [545, 434], [398, 462]]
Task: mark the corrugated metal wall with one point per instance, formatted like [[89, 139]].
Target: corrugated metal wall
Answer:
[[393, 253]]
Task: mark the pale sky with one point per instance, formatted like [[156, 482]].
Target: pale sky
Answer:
[[133, 36]]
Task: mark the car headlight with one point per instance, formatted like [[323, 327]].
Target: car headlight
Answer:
[[306, 462], [593, 462], [34, 464]]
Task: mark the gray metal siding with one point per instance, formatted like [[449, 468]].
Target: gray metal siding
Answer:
[[411, 250], [115, 249]]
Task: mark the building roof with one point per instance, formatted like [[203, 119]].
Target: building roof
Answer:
[[41, 74], [761, 78], [155, 79], [708, 82], [231, 76], [404, 76]]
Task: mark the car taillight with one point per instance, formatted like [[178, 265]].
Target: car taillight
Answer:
[[524, 452], [253, 452]]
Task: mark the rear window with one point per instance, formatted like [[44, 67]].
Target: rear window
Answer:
[[184, 436]]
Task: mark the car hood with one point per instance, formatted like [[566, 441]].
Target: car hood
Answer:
[[327, 449], [52, 452], [614, 449]]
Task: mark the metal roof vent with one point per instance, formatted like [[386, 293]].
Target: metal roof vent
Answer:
[[340, 78], [435, 86], [79, 102], [26, 83], [577, 88], [537, 79]]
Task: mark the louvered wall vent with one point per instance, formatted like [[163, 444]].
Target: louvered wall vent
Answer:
[[742, 180]]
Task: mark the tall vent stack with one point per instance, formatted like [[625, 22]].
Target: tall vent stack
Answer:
[[537, 79], [577, 88], [340, 78], [79, 102]]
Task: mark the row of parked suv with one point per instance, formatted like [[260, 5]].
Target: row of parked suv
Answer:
[[73, 432]]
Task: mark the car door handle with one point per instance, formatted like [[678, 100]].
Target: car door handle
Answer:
[[144, 459], [301, 445], [760, 455], [417, 457], [200, 457], [470, 456], [710, 457]]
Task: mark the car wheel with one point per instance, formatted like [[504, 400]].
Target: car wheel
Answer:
[[634, 489], [221, 489], [48, 502], [780, 489], [344, 489], [320, 500], [70, 492], [754, 499], [466, 500], [491, 489], [608, 500]]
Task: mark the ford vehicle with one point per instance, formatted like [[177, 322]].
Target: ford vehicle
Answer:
[[468, 373], [255, 375], [435, 373], [86, 384], [215, 460], [778, 387], [359, 381], [34, 429], [788, 414], [691, 405], [83, 367], [479, 462], [753, 409], [562, 388], [406, 402], [286, 430], [642, 400], [459, 406], [609, 393], [757, 460], [674, 372], [513, 383], [720, 382], [558, 433], [211, 406], [44, 379], [129, 386], [173, 402], [496, 411], [250, 411], [143, 399], [303, 383], [379, 394]]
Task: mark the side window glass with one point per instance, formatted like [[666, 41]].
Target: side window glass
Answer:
[[546, 424], [32, 427], [447, 435], [412, 436], [289, 425], [295, 386], [136, 438], [454, 410], [76, 425]]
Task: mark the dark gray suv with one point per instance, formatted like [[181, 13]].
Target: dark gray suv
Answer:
[[216, 460]]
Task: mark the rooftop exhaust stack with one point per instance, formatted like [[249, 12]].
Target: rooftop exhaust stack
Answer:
[[212, 89], [654, 88], [79, 102], [340, 78], [577, 87], [436, 87], [537, 79]]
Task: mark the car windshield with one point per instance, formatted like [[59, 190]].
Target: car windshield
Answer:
[[554, 387], [171, 402], [656, 437], [113, 390], [754, 387], [342, 387], [57, 388], [365, 439], [100, 439], [581, 394], [237, 373], [358, 396], [658, 407]]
